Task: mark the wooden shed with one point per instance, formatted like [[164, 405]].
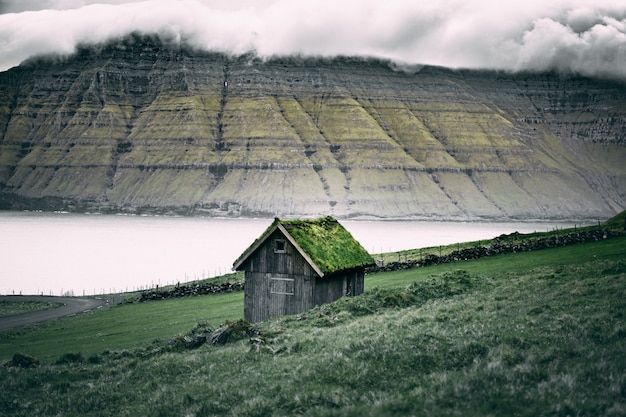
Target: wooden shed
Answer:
[[298, 264]]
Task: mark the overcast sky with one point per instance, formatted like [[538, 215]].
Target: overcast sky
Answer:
[[581, 36]]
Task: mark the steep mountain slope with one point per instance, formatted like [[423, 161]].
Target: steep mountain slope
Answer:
[[139, 126]]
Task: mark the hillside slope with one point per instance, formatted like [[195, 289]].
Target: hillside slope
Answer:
[[138, 126]]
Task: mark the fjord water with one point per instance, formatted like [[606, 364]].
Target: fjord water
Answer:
[[81, 254]]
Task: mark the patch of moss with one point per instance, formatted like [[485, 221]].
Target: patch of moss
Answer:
[[329, 245]]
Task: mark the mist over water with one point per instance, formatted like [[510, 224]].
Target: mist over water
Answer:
[[61, 253]]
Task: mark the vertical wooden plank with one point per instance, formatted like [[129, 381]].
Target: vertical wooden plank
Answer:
[[359, 285]]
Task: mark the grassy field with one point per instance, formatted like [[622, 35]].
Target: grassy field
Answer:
[[612, 249], [539, 333], [11, 308], [126, 326], [615, 225]]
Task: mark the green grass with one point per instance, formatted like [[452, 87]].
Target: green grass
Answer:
[[610, 249], [11, 308], [531, 334], [126, 326]]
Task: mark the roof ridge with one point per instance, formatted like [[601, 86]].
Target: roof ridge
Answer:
[[328, 245]]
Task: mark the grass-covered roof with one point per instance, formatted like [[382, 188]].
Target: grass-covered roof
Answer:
[[325, 241], [329, 245]]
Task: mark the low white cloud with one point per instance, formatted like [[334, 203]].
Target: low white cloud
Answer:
[[577, 36]]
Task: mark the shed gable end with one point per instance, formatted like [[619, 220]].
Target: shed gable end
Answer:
[[295, 265]]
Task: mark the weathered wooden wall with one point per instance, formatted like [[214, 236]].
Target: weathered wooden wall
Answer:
[[278, 283], [359, 284], [333, 287], [328, 289]]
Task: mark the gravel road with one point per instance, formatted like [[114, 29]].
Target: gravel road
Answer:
[[71, 306]]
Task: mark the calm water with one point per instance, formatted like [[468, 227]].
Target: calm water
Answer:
[[58, 253]]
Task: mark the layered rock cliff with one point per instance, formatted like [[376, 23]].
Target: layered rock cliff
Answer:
[[141, 126]]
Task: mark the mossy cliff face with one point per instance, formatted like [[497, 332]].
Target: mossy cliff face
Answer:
[[137, 126]]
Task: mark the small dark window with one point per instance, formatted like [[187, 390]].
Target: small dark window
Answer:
[[279, 246]]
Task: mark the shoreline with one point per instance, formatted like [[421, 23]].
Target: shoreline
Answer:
[[583, 221]]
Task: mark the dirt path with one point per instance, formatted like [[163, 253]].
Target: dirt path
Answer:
[[71, 306]]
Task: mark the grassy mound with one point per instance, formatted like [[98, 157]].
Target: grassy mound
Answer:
[[543, 341]]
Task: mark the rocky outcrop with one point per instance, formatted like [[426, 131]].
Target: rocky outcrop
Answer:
[[140, 126], [24, 361]]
